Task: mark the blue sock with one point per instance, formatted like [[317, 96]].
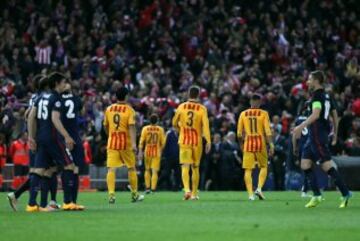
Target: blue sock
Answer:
[[313, 182], [53, 187], [75, 188], [338, 181], [67, 178], [35, 181], [45, 185]]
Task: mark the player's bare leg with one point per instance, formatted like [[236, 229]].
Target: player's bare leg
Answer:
[[110, 180], [185, 169]]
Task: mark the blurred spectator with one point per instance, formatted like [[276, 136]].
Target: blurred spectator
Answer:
[[19, 153], [279, 159], [230, 165], [211, 173]]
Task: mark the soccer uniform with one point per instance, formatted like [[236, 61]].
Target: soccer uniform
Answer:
[[32, 101], [50, 144], [304, 134], [317, 143], [253, 125], [71, 107], [153, 138], [191, 119], [118, 117]]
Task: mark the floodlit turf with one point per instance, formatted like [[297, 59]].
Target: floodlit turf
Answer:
[[218, 216]]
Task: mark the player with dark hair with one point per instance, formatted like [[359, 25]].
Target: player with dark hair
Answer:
[[152, 139], [317, 143], [72, 106], [192, 122], [119, 123], [254, 133], [51, 141], [40, 83]]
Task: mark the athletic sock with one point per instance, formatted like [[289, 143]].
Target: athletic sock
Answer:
[[185, 177], [133, 180], [154, 180], [45, 186], [195, 178], [248, 181], [338, 181], [75, 190], [305, 187], [35, 181], [313, 182], [110, 180], [23, 188], [67, 178], [53, 187], [147, 177], [262, 177]]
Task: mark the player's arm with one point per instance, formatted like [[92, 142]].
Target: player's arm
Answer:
[[142, 143], [335, 118], [206, 130], [175, 120], [132, 129], [31, 125], [268, 134], [240, 130], [316, 110], [55, 118], [106, 123], [162, 139]]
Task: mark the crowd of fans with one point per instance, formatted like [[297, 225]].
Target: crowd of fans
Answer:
[[159, 48]]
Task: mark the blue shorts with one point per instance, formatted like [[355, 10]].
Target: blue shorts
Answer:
[[317, 149], [78, 154], [52, 153]]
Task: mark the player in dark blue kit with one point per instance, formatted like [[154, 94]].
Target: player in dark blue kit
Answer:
[[51, 141], [40, 84], [317, 143], [72, 106]]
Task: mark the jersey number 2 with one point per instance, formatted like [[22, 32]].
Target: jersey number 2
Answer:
[[70, 112]]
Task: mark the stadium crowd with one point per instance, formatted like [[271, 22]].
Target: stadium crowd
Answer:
[[159, 48]]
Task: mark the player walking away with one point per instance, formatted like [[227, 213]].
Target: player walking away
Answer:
[[71, 105], [254, 133], [192, 122], [40, 84], [50, 140], [119, 123], [153, 140], [317, 143]]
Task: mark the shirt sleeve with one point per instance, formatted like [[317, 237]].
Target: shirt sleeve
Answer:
[[163, 138], [240, 127], [55, 103], [132, 114], [267, 124], [205, 126], [106, 120], [175, 120], [142, 138], [316, 102]]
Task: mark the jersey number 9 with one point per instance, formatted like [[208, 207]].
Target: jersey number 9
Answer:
[[116, 120]]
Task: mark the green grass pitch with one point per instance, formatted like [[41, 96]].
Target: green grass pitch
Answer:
[[218, 216]]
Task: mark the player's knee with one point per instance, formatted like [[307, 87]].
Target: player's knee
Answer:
[[305, 165], [50, 172], [76, 170], [69, 167], [326, 166], [39, 171], [111, 169]]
